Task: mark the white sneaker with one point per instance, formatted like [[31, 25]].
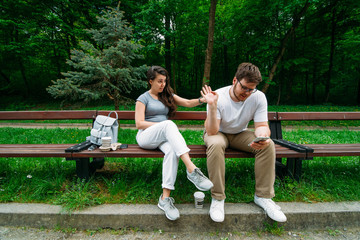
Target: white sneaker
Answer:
[[276, 206], [217, 210], [271, 209]]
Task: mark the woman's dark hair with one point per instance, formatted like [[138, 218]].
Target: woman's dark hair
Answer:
[[166, 96]]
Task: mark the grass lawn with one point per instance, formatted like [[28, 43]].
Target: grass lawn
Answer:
[[138, 180]]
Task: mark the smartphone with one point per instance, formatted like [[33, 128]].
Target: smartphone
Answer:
[[122, 146], [259, 139]]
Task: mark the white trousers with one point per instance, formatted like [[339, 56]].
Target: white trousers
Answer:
[[165, 136]]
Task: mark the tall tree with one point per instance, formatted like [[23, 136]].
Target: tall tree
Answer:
[[36, 38], [295, 24], [107, 71], [332, 51], [210, 45]]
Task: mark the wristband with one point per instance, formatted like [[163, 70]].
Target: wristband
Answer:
[[200, 101]]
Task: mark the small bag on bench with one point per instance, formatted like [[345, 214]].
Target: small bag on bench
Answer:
[[104, 126]]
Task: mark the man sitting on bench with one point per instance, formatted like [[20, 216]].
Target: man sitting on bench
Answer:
[[229, 111]]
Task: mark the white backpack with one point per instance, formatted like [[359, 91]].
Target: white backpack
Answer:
[[104, 126]]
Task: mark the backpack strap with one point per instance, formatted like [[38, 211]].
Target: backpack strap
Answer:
[[115, 114]]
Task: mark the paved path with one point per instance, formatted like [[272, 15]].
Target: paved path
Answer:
[[20, 233]]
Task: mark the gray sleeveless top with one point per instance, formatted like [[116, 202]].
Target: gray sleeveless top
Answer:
[[155, 111]]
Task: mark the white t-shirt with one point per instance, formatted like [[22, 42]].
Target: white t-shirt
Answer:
[[235, 116]]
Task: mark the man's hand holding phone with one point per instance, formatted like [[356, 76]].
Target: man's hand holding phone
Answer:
[[259, 142]]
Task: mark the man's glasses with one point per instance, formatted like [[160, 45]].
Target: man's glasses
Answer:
[[246, 89]]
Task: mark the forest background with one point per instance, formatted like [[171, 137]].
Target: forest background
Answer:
[[307, 50]]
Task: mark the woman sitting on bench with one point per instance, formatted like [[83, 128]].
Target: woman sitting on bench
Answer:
[[155, 131]]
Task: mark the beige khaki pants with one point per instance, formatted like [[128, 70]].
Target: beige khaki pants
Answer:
[[264, 162]]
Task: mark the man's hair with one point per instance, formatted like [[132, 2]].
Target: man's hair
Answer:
[[249, 72]]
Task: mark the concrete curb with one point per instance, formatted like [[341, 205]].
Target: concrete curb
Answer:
[[239, 217]]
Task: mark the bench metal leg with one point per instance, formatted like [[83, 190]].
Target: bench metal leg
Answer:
[[97, 163], [294, 166], [280, 169], [290, 165], [297, 169], [83, 168]]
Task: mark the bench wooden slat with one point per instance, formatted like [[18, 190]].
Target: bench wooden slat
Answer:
[[329, 150], [180, 115], [197, 151], [34, 150], [58, 150], [47, 115], [301, 116], [31, 146]]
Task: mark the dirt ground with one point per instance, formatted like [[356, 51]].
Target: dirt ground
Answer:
[[17, 233]]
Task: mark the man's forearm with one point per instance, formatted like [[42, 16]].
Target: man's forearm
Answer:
[[211, 123], [262, 131]]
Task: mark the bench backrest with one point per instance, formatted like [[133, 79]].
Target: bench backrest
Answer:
[[275, 126], [47, 115], [180, 115], [275, 118], [302, 116]]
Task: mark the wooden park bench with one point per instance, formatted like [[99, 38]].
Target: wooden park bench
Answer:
[[294, 166], [88, 161]]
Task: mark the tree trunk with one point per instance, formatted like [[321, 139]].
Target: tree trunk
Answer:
[[290, 81], [116, 104], [167, 44], [279, 90], [174, 68], [283, 44], [194, 72], [280, 85], [332, 50], [358, 95], [279, 95], [314, 78], [306, 87], [174, 78], [209, 50], [307, 94], [57, 62], [116, 100], [4, 77], [226, 61], [23, 74], [22, 67]]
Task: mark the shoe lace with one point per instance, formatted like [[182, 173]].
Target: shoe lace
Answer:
[[269, 205], [274, 204], [199, 175], [215, 203], [171, 202], [269, 202]]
